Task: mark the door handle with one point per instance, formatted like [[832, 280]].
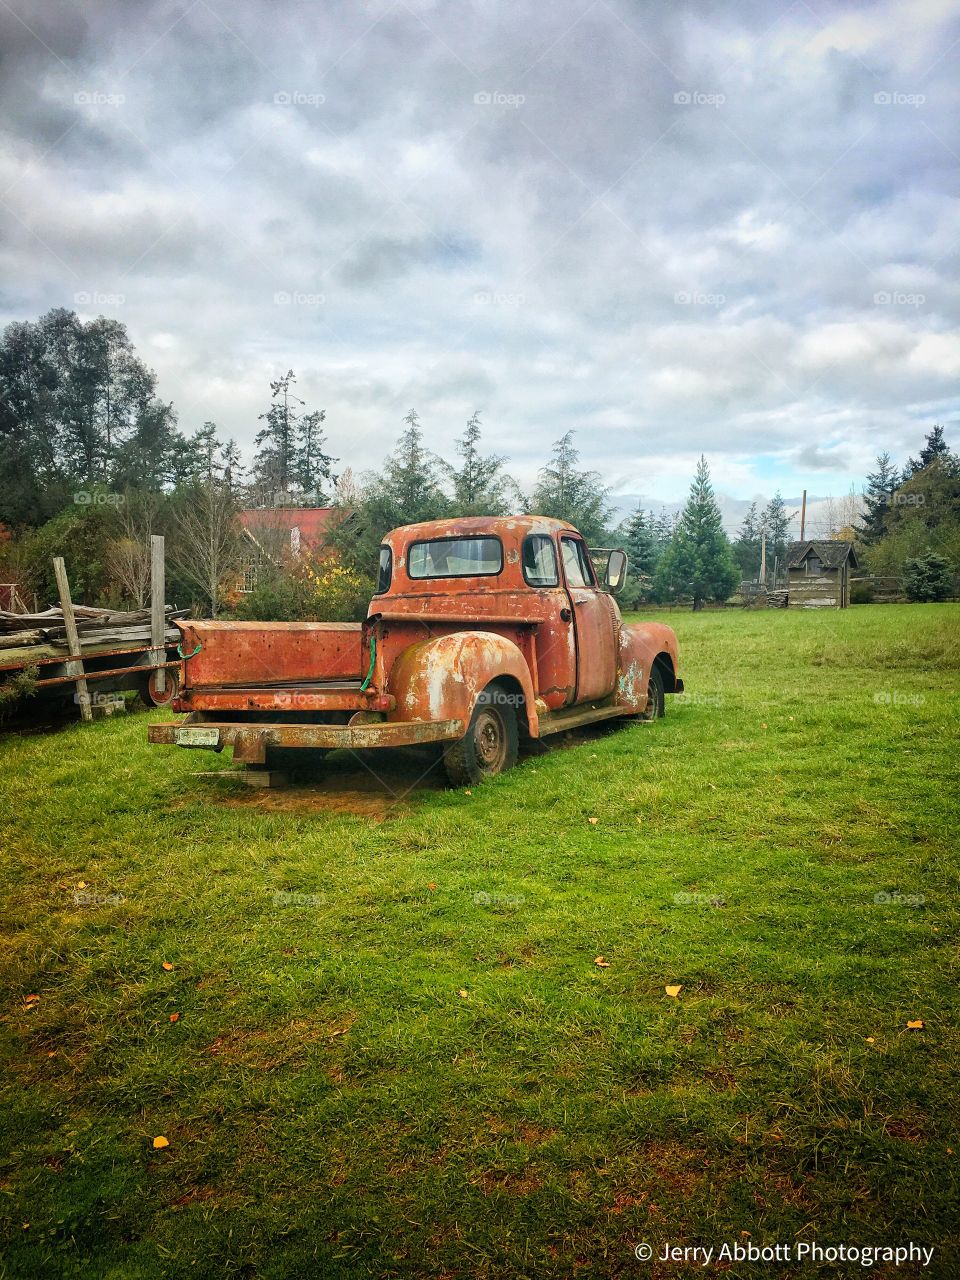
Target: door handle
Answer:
[[580, 599]]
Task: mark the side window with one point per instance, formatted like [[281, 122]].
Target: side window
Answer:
[[575, 564], [385, 572], [540, 561]]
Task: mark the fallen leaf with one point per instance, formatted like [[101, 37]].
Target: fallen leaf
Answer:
[[673, 989], [160, 1143], [916, 1025], [869, 1039], [431, 886], [174, 1017], [52, 1053], [167, 965], [30, 999], [81, 884], [463, 993], [593, 821], [468, 793], [763, 726], [601, 963]]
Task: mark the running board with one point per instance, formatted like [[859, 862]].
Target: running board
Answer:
[[557, 721]]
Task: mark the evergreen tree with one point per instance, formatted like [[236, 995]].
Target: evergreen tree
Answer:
[[312, 467], [567, 493], [699, 561], [480, 486], [775, 521], [275, 461], [877, 498], [640, 544], [935, 449], [746, 548]]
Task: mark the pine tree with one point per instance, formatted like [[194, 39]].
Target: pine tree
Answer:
[[567, 493], [640, 544], [877, 498], [480, 485], [775, 522], [312, 467], [746, 548], [408, 490], [275, 461], [699, 561], [935, 449]]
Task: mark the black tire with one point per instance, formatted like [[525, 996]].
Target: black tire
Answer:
[[490, 744], [655, 699]]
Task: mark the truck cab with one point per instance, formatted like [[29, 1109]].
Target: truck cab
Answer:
[[482, 630]]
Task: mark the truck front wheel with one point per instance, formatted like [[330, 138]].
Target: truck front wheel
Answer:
[[490, 744]]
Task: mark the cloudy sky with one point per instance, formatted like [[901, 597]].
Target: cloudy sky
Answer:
[[727, 227]]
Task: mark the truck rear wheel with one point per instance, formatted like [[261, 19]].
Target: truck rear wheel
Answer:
[[490, 744]]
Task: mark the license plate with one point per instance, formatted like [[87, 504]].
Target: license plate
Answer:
[[197, 737]]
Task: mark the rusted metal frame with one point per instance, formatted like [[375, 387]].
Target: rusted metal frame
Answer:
[[93, 676], [251, 741], [283, 700], [574, 717]]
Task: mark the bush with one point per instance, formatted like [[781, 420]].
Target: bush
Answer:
[[927, 577], [861, 592], [314, 589]]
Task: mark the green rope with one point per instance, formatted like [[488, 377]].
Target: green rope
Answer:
[[373, 659], [187, 656]]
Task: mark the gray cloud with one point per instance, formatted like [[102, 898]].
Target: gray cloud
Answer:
[[672, 229]]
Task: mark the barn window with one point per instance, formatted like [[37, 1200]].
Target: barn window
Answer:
[[813, 565]]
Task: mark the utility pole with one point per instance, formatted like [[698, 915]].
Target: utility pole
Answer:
[[803, 516], [763, 556]]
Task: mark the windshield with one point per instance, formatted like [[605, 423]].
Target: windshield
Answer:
[[455, 558]]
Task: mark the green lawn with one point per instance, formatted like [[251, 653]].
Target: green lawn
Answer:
[[395, 1053]]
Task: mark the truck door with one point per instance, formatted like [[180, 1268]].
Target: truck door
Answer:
[[593, 617]]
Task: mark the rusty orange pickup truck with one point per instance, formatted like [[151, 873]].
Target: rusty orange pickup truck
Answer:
[[481, 631]]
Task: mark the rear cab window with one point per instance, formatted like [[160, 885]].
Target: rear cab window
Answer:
[[540, 561], [455, 558]]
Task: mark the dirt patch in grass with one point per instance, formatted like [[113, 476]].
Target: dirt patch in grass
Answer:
[[276, 1046]]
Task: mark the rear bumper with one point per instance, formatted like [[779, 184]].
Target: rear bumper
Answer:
[[250, 741]]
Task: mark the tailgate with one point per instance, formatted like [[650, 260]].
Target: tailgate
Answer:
[[260, 654]]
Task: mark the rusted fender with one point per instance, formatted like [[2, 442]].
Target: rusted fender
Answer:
[[641, 645], [441, 678]]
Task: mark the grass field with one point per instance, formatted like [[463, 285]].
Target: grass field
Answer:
[[396, 1054]]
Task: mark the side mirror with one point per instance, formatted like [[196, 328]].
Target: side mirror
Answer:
[[616, 574]]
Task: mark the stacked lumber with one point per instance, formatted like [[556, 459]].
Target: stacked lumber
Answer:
[[95, 627]]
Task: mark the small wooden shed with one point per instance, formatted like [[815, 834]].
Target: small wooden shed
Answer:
[[819, 573]]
